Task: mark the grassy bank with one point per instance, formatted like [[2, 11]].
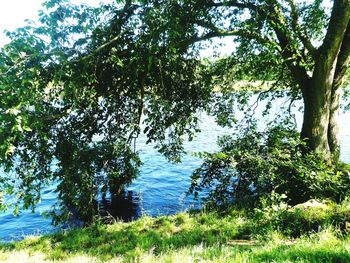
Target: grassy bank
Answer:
[[200, 237]]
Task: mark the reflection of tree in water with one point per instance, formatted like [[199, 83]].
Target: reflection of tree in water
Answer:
[[123, 207]]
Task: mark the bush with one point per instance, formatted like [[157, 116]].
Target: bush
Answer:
[[311, 216], [250, 170]]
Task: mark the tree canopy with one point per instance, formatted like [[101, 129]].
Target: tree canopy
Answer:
[[76, 86]]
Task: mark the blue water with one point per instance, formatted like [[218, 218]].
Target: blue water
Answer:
[[160, 188]]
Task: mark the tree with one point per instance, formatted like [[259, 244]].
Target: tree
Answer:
[[311, 41], [76, 88], [73, 91]]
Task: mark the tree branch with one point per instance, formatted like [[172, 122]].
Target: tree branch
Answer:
[[290, 54], [343, 60], [218, 32], [239, 4], [298, 30], [15, 65], [124, 15], [335, 33]]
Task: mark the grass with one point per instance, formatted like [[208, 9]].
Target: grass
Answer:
[[200, 237]]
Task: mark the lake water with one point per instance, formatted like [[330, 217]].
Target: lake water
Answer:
[[160, 188]]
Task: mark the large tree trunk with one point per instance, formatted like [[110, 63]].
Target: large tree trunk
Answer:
[[321, 95], [333, 126], [316, 97], [343, 61], [321, 117]]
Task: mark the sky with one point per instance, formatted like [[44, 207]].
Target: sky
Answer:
[[14, 12]]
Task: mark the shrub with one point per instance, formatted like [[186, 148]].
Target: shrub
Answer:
[[311, 216], [250, 170]]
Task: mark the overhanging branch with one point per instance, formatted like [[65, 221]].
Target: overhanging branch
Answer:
[[302, 35], [218, 32], [238, 4], [343, 60], [125, 14], [335, 33], [291, 54]]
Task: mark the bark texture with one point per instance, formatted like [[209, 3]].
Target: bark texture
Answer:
[[322, 92]]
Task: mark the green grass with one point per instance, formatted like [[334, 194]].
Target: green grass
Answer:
[[200, 237]]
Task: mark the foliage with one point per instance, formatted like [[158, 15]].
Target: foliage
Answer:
[[259, 168], [210, 237], [311, 216], [78, 87], [75, 90]]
